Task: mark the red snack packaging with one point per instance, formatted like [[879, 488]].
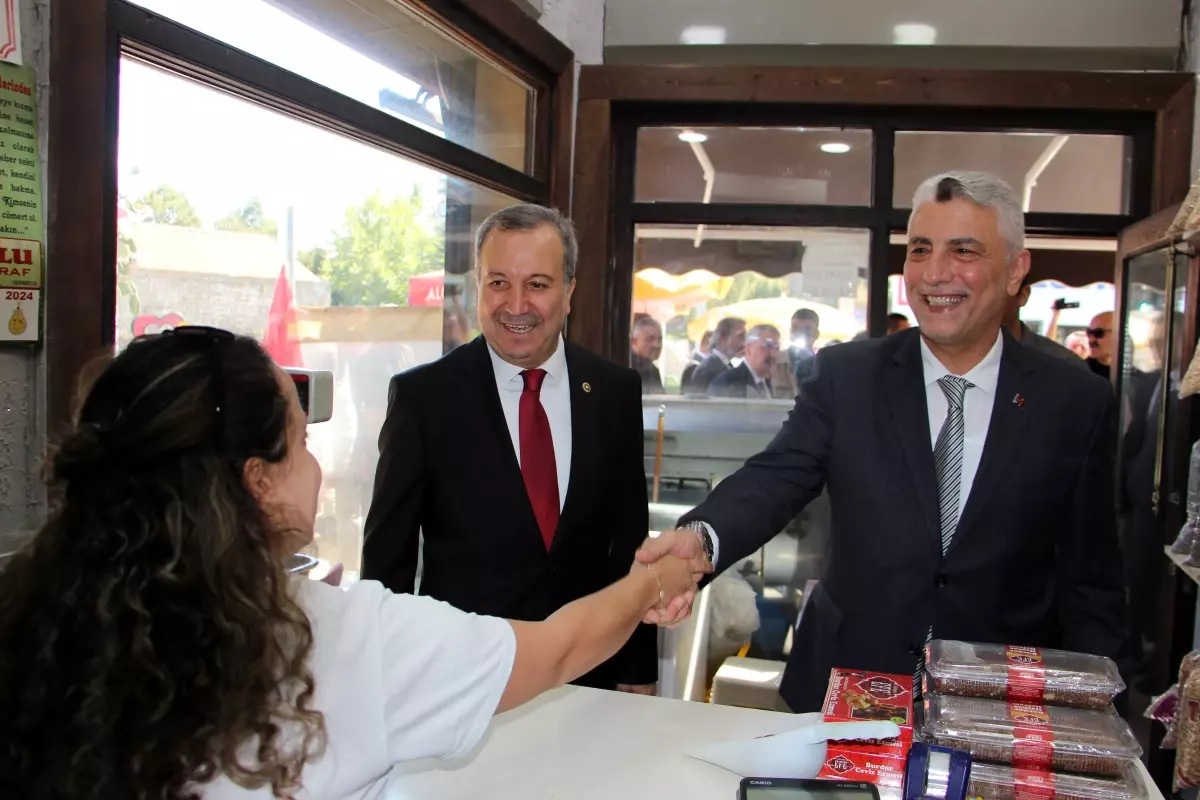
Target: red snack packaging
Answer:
[[850, 763], [862, 696], [1021, 674]]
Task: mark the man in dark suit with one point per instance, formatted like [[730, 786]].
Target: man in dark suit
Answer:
[[517, 457], [751, 378], [645, 346], [728, 343], [970, 477]]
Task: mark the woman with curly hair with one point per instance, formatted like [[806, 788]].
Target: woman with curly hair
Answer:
[[152, 644]]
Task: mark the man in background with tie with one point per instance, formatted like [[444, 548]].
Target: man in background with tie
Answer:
[[970, 477], [517, 459], [752, 378]]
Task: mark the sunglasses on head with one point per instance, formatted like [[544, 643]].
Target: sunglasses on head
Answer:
[[1097, 333], [208, 339]]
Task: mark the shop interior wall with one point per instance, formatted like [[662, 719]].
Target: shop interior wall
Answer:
[[1019, 34], [22, 369]]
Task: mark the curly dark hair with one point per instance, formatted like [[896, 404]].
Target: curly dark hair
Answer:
[[148, 638]]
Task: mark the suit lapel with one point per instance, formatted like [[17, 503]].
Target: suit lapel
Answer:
[[904, 396], [585, 424], [494, 436], [1005, 429]]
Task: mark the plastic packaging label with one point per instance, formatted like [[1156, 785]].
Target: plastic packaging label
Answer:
[[1033, 785], [1026, 675], [1033, 736]]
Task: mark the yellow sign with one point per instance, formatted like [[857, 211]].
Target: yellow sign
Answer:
[[20, 263]]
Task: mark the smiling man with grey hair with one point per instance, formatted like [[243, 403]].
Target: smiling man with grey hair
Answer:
[[969, 477], [516, 459]]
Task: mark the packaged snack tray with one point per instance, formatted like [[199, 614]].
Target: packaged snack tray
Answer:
[[1032, 737], [996, 782], [1021, 674]]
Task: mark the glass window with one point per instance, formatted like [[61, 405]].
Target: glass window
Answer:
[[383, 55], [212, 190], [689, 278], [806, 166], [1066, 173]]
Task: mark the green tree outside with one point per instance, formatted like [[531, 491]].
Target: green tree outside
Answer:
[[248, 219], [167, 206], [382, 243]]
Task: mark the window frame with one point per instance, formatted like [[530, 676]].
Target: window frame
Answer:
[[1154, 111], [88, 40]]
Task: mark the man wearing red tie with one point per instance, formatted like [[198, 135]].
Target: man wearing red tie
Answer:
[[516, 459]]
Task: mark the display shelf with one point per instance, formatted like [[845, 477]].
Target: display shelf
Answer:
[[1191, 572]]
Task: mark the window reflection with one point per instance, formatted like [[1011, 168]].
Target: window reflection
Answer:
[[213, 190], [808, 284]]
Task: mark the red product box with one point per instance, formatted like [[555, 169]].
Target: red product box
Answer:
[[847, 763], [862, 696]]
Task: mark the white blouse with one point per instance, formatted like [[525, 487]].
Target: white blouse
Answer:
[[398, 678]]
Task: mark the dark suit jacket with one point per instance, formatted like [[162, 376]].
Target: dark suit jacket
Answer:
[[712, 366], [447, 467], [648, 373], [737, 382], [1034, 560]]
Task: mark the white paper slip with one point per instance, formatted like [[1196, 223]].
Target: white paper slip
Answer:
[[795, 754]]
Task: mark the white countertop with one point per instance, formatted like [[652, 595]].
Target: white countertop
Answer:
[[587, 744]]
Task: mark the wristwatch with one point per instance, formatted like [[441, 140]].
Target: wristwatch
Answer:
[[701, 531]]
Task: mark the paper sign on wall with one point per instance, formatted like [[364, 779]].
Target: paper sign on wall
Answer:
[[22, 276]]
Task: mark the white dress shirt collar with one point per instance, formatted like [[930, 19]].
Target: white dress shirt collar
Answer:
[[508, 376], [984, 375]]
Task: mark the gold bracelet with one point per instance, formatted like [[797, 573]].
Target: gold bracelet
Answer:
[[662, 596]]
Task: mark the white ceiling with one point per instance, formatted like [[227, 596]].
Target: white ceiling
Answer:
[[1059, 24]]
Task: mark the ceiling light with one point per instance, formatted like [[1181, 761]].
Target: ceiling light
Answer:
[[835, 147], [914, 33], [702, 34], [692, 137]]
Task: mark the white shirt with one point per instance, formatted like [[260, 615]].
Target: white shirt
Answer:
[[556, 400], [977, 407], [398, 677], [977, 413]]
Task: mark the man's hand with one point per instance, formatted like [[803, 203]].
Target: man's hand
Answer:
[[681, 544], [648, 689]]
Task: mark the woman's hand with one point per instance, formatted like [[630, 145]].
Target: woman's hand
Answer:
[[673, 576]]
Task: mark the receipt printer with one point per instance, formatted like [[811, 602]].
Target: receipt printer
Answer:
[[936, 773]]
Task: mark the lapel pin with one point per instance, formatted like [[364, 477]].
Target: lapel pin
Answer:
[[587, 387], [1019, 401]]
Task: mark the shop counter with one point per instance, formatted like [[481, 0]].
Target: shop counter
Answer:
[[587, 744]]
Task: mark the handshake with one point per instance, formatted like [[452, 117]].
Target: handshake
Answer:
[[678, 559]]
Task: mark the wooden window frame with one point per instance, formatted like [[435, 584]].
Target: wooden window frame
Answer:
[[1154, 109], [88, 38]]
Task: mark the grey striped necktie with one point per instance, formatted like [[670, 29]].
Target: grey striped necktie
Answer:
[[947, 464], [948, 455]]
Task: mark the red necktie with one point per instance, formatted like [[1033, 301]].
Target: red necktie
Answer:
[[537, 455]]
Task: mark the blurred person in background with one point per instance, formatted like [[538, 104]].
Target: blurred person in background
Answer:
[[729, 340], [695, 360], [1077, 343], [645, 346], [801, 349], [751, 378], [896, 322], [1023, 334], [551, 503], [153, 644], [1101, 343]]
